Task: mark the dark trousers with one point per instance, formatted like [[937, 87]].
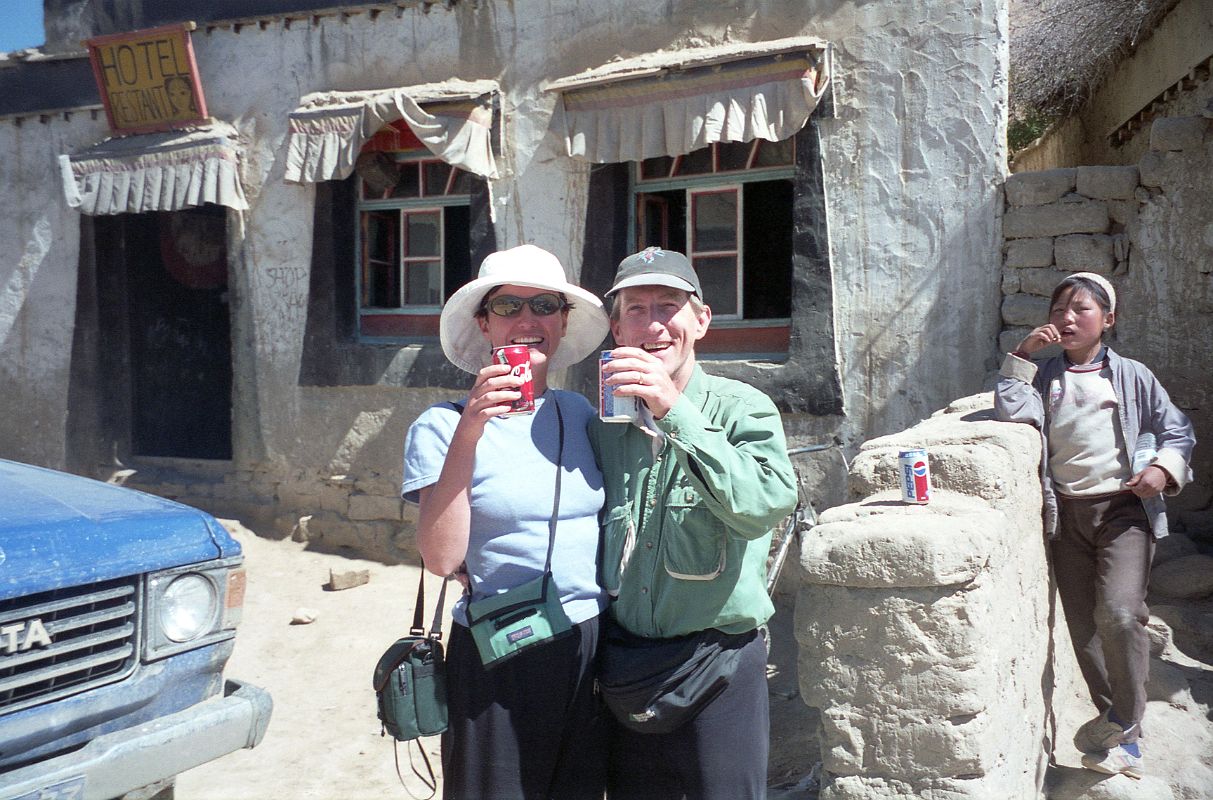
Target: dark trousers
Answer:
[[720, 755], [530, 728], [1101, 557]]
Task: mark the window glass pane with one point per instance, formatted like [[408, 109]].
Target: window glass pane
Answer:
[[718, 276], [696, 162], [654, 229], [456, 248], [658, 167], [767, 233], [714, 221], [379, 233], [422, 234], [380, 287], [436, 173], [463, 182], [423, 283], [776, 154], [734, 155], [409, 184]]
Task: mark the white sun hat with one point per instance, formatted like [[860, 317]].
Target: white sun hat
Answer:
[[525, 265]]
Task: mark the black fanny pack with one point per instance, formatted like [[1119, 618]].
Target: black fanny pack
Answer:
[[658, 685]]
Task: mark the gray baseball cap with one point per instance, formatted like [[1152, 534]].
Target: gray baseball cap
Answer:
[[653, 266]]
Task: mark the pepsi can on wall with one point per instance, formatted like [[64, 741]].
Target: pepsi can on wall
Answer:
[[915, 476]]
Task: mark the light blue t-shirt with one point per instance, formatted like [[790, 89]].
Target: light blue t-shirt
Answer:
[[513, 483]]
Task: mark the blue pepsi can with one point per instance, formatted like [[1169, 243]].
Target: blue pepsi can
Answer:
[[611, 407]]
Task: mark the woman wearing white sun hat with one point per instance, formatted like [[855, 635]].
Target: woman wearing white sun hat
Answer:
[[485, 487]]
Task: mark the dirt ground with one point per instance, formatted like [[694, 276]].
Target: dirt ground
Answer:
[[324, 739]]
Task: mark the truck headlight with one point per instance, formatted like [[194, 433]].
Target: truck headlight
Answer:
[[187, 607], [192, 606]]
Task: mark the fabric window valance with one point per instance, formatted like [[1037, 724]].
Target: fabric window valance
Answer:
[[672, 103], [156, 172], [453, 119]]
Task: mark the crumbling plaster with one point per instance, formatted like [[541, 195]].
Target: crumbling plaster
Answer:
[[912, 158]]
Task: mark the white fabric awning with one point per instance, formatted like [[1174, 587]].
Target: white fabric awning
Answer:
[[668, 104], [156, 172], [454, 119]]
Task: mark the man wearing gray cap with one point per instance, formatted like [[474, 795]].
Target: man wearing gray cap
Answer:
[[693, 490]]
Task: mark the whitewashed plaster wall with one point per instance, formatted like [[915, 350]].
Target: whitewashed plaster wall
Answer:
[[913, 160], [41, 239]]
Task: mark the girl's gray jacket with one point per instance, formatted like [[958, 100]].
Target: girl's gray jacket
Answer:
[[1142, 404]]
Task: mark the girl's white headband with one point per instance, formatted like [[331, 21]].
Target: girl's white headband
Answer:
[[1103, 282]]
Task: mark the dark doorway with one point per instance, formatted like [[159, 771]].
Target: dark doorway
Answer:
[[178, 332]]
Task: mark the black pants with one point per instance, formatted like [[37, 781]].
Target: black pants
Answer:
[[531, 728], [1101, 558], [720, 755]]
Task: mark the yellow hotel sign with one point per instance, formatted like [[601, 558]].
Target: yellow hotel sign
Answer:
[[148, 79]]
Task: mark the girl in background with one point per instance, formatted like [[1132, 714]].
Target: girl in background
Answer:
[[1114, 444]]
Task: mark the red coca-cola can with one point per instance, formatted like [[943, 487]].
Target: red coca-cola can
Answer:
[[519, 358]]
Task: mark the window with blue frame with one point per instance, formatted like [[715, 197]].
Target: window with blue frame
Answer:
[[728, 206], [413, 235]]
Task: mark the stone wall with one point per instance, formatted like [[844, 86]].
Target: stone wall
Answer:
[[920, 626], [1149, 228], [932, 645]]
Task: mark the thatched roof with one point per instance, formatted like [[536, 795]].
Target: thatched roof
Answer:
[[1062, 50]]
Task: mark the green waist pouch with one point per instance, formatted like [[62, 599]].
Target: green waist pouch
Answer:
[[518, 619]]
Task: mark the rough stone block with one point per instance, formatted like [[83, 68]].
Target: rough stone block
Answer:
[[1056, 219], [369, 506], [1151, 169], [1083, 784], [1030, 252], [920, 547], [1010, 281], [1079, 253], [334, 498], [1168, 683], [1186, 577], [1176, 545], [1178, 133], [339, 581], [1039, 282], [1038, 188], [1107, 183], [1123, 212], [298, 497], [1191, 628], [1010, 338], [299, 531], [1025, 309]]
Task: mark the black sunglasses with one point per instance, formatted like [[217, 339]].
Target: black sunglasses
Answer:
[[542, 305]]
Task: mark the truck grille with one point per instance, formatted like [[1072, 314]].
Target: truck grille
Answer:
[[66, 641]]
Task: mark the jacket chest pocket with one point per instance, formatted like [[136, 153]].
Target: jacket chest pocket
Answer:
[[694, 539], [619, 539]]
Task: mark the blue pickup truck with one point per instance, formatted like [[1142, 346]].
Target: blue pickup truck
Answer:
[[118, 612]]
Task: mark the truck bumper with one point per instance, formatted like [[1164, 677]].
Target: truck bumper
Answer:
[[114, 764]]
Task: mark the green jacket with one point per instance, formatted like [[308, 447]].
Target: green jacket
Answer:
[[687, 533]]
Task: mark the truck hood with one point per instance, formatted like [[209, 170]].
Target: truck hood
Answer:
[[60, 530]]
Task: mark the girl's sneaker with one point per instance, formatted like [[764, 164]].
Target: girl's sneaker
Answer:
[[1098, 734], [1123, 759]]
